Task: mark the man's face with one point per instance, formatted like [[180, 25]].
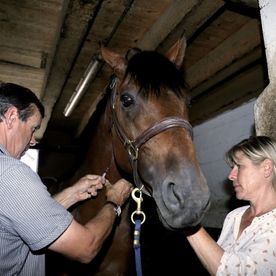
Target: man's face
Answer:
[[22, 134]]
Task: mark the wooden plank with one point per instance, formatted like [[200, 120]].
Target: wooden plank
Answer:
[[29, 24], [222, 27], [237, 45], [29, 77], [227, 72], [166, 23], [137, 22], [22, 56], [194, 20], [229, 95]]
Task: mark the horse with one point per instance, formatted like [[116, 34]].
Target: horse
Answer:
[[144, 135]]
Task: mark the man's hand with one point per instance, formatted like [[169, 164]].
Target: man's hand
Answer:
[[87, 186], [118, 192], [84, 188]]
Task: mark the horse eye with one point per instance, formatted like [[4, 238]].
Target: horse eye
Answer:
[[127, 100]]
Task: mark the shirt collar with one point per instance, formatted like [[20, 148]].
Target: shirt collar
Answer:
[[3, 150]]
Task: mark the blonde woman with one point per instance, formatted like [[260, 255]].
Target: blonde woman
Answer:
[[247, 243]]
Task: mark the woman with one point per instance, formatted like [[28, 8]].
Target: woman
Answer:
[[247, 243]]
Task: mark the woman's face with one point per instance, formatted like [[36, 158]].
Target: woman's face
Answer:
[[247, 177]]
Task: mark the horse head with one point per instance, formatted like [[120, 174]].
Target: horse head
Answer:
[[152, 136]]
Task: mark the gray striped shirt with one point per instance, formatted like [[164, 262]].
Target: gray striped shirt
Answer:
[[30, 219]]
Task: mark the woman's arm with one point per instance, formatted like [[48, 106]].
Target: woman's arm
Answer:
[[207, 250]]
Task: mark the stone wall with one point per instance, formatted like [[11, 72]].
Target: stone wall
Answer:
[[264, 111]]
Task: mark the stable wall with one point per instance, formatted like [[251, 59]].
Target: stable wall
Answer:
[[212, 139]]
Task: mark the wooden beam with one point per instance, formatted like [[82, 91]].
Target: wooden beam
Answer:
[[29, 24], [29, 77], [23, 56], [191, 22], [229, 95], [166, 23], [246, 60], [237, 45]]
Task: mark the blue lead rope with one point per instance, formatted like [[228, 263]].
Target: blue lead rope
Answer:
[[136, 245], [138, 222]]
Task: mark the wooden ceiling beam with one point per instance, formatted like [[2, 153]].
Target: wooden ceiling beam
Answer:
[[23, 75], [166, 23], [233, 48], [229, 95], [191, 22], [226, 72], [23, 56]]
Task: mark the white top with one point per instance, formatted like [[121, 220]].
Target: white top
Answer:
[[254, 252]]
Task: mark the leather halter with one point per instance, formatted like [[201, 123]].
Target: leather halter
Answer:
[[133, 146]]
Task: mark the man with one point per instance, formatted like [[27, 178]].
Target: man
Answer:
[[30, 219]]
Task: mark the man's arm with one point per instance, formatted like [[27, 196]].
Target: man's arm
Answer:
[[82, 243]]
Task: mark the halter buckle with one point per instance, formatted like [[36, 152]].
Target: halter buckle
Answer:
[[132, 150]]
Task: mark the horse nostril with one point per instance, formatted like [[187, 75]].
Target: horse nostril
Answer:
[[173, 193]]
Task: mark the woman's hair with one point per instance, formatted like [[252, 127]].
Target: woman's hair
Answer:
[[22, 98], [255, 148]]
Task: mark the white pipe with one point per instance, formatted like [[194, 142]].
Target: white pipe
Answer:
[[83, 84]]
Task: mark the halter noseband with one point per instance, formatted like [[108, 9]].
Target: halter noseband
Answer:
[[133, 146]]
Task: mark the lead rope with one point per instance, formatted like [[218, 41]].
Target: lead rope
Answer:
[[141, 217]]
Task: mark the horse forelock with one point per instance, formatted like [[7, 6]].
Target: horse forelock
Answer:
[[152, 71]]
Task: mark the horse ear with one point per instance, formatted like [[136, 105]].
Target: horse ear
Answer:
[[115, 60], [177, 52]]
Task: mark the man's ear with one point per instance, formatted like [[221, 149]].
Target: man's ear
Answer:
[[268, 167], [11, 116]]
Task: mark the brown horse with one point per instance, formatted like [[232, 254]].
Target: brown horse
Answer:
[[144, 135]]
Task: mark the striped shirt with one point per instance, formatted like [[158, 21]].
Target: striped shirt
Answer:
[[30, 219]]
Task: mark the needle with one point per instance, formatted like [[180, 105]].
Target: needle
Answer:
[[104, 174]]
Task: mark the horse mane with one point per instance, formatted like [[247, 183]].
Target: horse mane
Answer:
[[151, 71]]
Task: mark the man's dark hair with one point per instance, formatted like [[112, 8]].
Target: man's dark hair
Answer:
[[22, 98]]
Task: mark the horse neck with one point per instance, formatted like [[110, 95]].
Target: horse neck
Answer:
[[99, 154]]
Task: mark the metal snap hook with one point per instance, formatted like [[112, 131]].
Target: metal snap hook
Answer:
[[138, 199]]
